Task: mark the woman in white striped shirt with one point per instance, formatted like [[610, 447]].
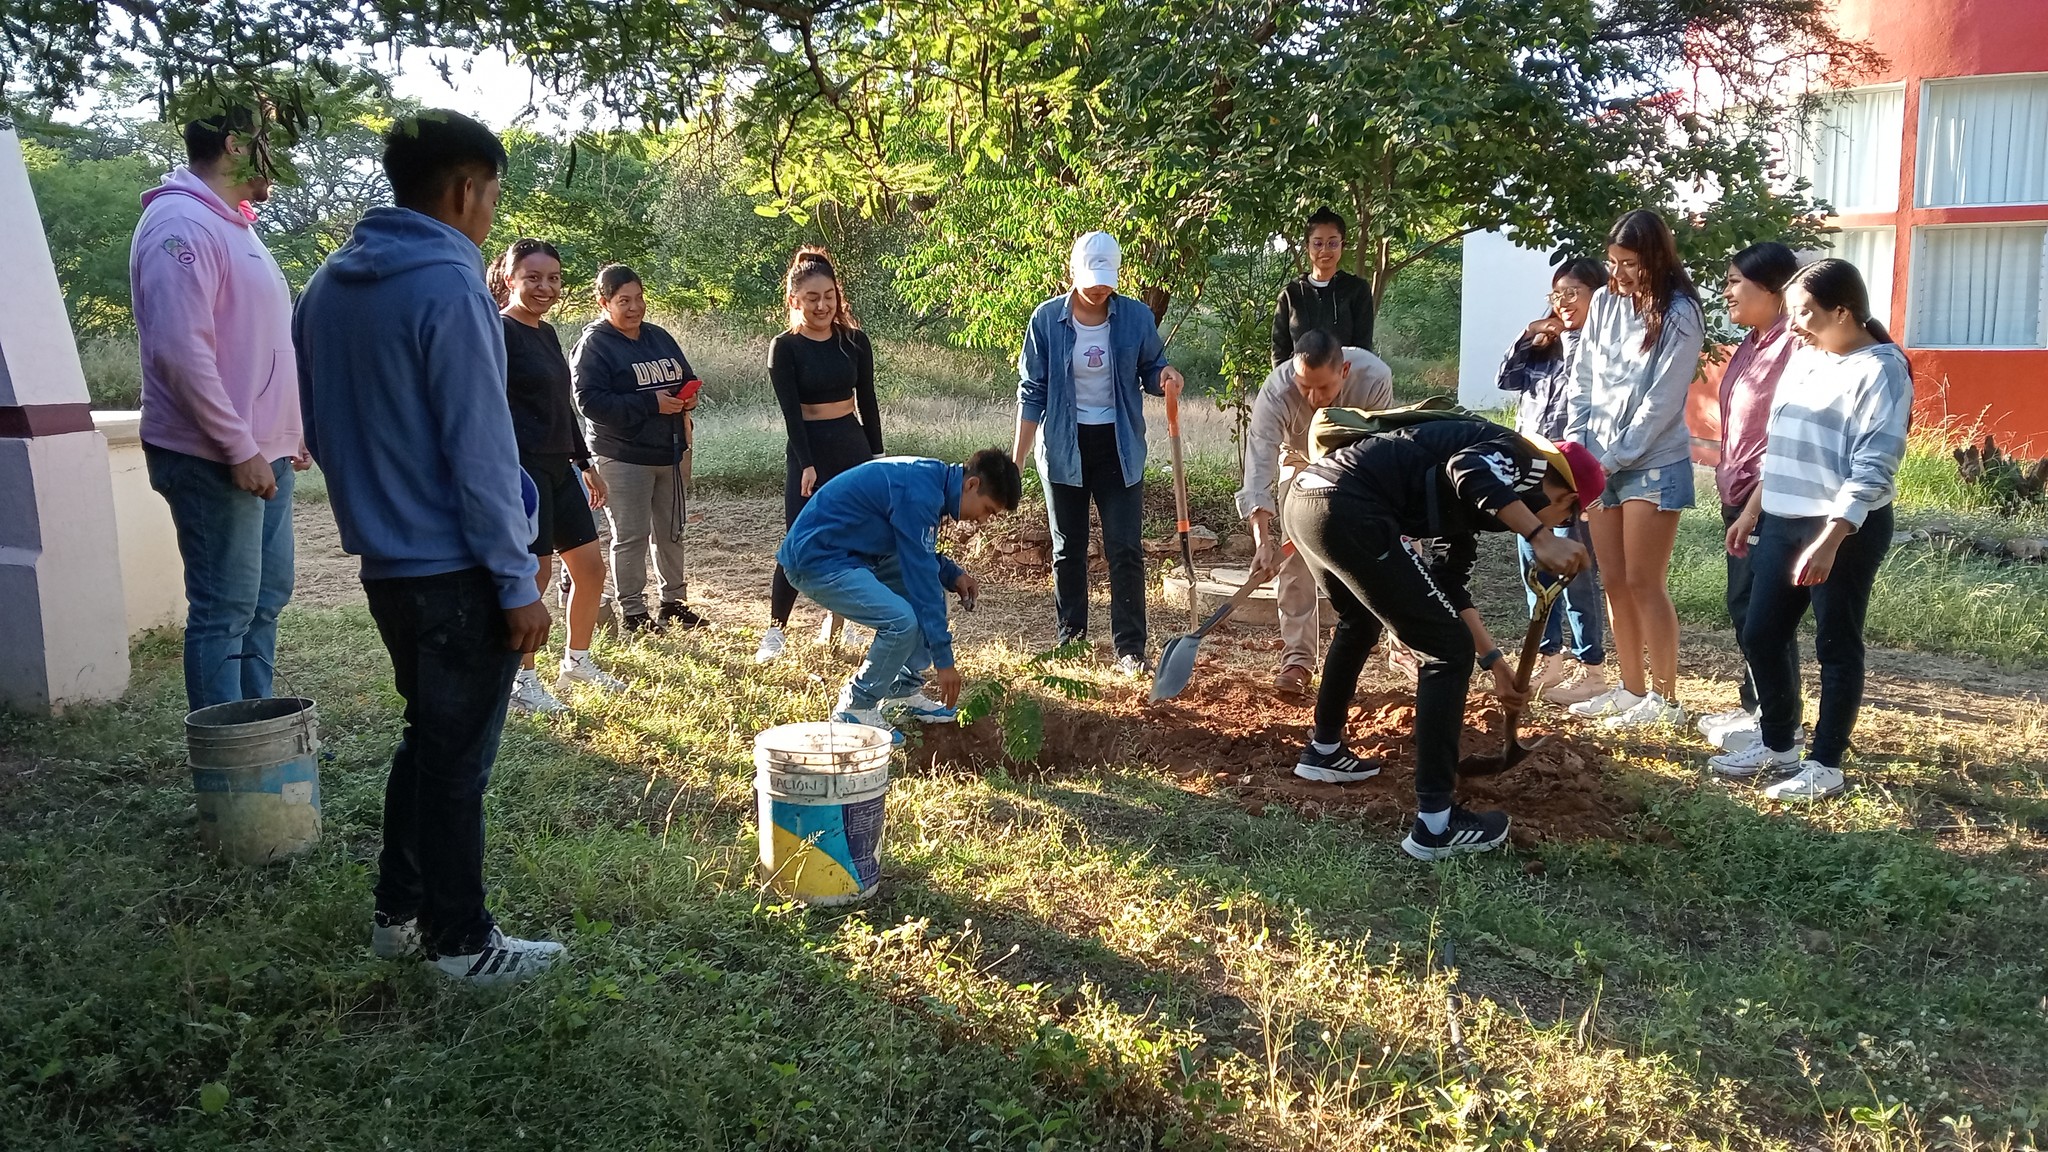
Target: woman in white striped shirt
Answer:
[[1818, 525]]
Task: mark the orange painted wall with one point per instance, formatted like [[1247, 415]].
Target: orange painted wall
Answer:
[[1934, 39]]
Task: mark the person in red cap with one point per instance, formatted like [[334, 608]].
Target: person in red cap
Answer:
[[1389, 525]]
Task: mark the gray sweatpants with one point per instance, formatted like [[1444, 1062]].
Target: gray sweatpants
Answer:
[[643, 504]]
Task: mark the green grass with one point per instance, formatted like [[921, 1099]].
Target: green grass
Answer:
[[1083, 960]]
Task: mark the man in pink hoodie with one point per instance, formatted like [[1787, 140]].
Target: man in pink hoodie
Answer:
[[220, 404]]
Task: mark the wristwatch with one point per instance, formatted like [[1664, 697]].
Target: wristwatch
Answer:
[[1491, 658]]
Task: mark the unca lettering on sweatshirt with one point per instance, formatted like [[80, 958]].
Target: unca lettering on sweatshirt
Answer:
[[402, 373], [616, 379], [887, 507], [213, 315]]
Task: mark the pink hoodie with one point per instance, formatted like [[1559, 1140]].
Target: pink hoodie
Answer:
[[214, 314]]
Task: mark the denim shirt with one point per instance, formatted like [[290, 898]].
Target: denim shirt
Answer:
[[1045, 385]]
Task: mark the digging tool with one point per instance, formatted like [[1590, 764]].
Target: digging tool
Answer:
[[1180, 505], [1539, 617], [1177, 659]]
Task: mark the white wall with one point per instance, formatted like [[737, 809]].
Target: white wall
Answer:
[[152, 572], [1504, 289]]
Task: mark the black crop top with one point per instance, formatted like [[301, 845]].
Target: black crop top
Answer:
[[807, 371]]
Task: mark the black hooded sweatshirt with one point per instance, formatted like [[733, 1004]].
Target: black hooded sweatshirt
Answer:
[[1343, 308], [616, 383]]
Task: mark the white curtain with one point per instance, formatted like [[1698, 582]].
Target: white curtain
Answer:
[[1871, 250], [1978, 287], [1983, 141], [1851, 154]]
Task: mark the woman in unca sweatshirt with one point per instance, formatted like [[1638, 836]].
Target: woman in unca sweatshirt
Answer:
[[1636, 362], [629, 378]]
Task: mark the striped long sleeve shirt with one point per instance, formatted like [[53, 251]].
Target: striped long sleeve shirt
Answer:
[[1837, 432]]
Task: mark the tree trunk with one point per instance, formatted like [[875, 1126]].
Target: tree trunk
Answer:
[[1156, 298]]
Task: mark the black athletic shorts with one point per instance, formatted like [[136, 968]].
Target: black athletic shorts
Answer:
[[565, 520]]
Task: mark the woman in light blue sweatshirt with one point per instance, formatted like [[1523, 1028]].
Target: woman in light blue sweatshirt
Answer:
[[1637, 357]]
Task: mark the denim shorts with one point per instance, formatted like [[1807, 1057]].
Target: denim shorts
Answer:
[[1669, 486]]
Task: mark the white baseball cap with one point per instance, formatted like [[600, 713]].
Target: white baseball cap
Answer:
[[1095, 260]]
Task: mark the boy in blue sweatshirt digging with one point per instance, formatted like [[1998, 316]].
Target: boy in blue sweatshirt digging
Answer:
[[866, 549]]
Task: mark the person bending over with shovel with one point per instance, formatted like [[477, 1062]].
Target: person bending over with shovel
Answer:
[[866, 549], [1388, 524]]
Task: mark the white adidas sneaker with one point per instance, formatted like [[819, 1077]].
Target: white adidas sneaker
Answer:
[[502, 960], [583, 670]]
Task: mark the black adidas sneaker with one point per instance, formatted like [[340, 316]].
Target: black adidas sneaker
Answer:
[[1466, 833], [1339, 767]]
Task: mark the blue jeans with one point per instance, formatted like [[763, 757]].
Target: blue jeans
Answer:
[[237, 550], [899, 655], [1581, 603], [1122, 509], [446, 636], [1770, 634]]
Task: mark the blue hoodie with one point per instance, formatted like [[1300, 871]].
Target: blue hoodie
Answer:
[[884, 508], [402, 382]]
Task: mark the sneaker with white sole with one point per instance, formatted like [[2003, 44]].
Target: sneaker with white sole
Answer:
[[1132, 666], [1466, 833], [583, 670], [772, 646], [531, 697], [1814, 781], [1612, 702], [872, 717], [1338, 767], [1647, 712], [1757, 758], [502, 960], [1737, 739], [1713, 724], [1583, 682], [394, 939], [920, 707]]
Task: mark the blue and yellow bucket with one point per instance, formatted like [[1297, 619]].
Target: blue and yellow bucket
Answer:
[[256, 777], [820, 789]]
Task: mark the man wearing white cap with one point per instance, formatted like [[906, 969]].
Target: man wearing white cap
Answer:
[[1089, 355]]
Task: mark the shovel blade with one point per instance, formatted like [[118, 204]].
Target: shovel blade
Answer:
[[1495, 765], [1176, 666]]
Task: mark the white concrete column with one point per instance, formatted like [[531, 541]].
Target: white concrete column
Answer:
[[63, 620], [1504, 289]]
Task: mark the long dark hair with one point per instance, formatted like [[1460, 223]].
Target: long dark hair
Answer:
[[498, 277], [1768, 264], [1835, 284], [1645, 233], [613, 277], [811, 260]]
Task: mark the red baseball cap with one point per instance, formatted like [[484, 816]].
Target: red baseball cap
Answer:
[[1576, 463]]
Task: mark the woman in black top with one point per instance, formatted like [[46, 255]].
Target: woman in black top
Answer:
[[823, 370], [1325, 296], [527, 282], [636, 388]]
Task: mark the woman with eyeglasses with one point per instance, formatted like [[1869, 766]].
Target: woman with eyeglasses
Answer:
[[1637, 357], [527, 283], [1539, 367], [1325, 296], [1755, 291]]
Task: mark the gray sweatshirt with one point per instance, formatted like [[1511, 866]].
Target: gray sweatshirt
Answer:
[[1278, 434], [1627, 405]]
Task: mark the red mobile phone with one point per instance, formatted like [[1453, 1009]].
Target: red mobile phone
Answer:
[[690, 388]]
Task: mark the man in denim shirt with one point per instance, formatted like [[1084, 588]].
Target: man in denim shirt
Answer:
[[1088, 357]]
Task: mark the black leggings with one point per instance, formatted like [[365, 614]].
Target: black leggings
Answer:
[[1375, 582], [836, 445]]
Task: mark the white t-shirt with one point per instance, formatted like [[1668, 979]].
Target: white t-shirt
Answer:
[[1094, 389]]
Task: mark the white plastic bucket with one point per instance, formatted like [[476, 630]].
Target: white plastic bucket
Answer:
[[819, 790]]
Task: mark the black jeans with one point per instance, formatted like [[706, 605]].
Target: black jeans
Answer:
[[1374, 580], [836, 445], [446, 635], [1770, 635], [1739, 579], [1122, 508]]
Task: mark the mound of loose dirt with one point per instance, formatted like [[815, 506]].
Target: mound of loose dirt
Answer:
[[1228, 735]]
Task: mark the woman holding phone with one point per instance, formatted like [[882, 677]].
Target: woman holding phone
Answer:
[[527, 283], [636, 388], [823, 372]]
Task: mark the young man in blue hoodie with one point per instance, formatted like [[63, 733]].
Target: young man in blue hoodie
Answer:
[[866, 548], [402, 375]]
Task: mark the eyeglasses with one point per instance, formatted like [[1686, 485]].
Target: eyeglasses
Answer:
[[1326, 245], [1567, 295]]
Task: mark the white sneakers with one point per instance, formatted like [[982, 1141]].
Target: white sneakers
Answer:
[[579, 668], [1814, 781], [872, 717], [920, 707], [1757, 757], [529, 697], [1612, 702], [1715, 724], [502, 960], [772, 646], [1131, 666], [1647, 712]]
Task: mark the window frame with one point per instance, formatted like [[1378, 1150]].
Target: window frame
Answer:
[[1917, 254], [1921, 139]]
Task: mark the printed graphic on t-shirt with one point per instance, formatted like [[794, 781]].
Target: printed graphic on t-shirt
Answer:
[[1095, 353], [663, 373]]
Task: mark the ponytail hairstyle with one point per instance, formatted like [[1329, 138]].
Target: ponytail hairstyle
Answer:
[[498, 276], [1645, 233], [1832, 284], [613, 277], [811, 260], [1769, 264]]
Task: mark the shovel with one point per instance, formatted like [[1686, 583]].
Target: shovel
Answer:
[[1177, 659], [1539, 617], [1180, 502]]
